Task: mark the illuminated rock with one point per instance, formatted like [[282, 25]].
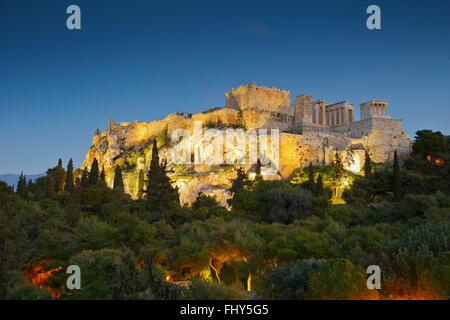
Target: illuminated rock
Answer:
[[310, 132]]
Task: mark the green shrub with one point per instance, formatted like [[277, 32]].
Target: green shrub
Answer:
[[210, 290], [338, 279], [288, 282], [27, 291]]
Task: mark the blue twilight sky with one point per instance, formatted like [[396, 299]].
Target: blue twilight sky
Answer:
[[141, 60]]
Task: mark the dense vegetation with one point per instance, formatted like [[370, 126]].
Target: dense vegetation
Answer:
[[279, 239]]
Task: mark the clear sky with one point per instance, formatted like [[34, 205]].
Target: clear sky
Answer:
[[141, 60]]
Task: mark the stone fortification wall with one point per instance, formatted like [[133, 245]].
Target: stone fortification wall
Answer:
[[261, 97]]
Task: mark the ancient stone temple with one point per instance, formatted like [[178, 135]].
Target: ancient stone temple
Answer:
[[309, 131], [308, 115]]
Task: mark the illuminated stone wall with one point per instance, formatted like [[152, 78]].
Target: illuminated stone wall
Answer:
[[306, 136]]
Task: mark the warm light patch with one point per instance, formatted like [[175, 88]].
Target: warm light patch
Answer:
[[37, 274], [436, 160], [354, 165]]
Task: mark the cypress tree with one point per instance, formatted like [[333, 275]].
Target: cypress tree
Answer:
[[337, 170], [22, 187], [367, 166], [311, 183], [319, 185], [19, 184], [94, 173], [84, 178], [59, 175], [397, 184], [141, 184], [161, 195], [258, 176], [103, 175], [69, 177], [30, 187], [118, 179]]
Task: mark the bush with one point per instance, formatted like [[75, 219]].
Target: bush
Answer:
[[287, 205], [366, 190], [211, 290], [288, 282], [27, 291], [437, 215], [339, 279], [98, 273], [416, 205], [401, 256]]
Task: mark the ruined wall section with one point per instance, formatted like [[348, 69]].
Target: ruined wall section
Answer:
[[254, 118], [305, 138], [260, 97], [126, 136], [382, 137]]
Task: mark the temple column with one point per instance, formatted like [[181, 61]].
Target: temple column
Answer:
[[317, 115], [323, 114]]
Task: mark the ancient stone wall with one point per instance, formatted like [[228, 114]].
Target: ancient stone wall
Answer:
[[363, 127], [255, 119], [302, 112], [306, 137], [261, 97]]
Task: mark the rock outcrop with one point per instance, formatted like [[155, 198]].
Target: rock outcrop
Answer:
[[129, 144]]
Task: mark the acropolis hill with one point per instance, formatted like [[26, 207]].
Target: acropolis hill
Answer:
[[311, 131]]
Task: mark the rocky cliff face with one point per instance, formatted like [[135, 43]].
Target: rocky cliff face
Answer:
[[129, 145]]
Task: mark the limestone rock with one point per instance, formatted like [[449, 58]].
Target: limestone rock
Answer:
[[257, 109]]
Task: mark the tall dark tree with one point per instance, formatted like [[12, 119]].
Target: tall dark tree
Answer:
[[141, 183], [59, 175], [337, 172], [311, 182], [102, 176], [22, 187], [319, 189], [94, 173], [69, 177], [118, 179], [161, 195], [258, 176], [396, 180], [367, 166], [84, 178], [31, 187]]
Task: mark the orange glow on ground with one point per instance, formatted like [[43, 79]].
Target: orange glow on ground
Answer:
[[37, 274], [437, 160]]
